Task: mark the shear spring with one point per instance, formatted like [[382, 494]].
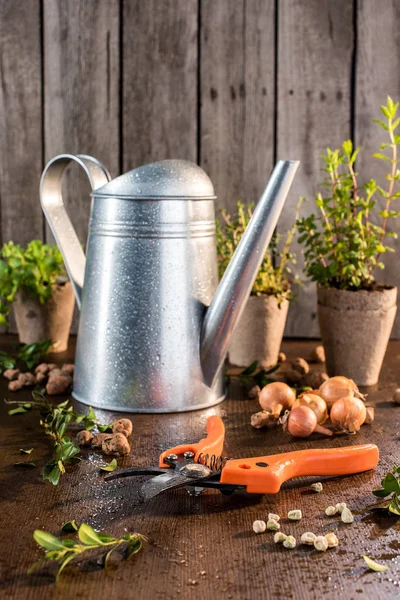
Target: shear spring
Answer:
[[213, 461]]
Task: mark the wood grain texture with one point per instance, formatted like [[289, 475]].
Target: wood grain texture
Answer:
[[204, 547], [378, 65], [237, 58], [20, 121], [315, 48], [81, 103], [159, 86]]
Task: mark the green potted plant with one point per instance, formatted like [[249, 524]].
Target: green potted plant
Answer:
[[343, 247], [259, 333], [33, 282]]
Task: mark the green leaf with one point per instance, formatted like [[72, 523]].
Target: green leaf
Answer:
[[67, 559], [390, 483], [104, 428], [133, 547], [394, 508], [24, 465], [111, 466], [373, 565], [250, 369], [382, 156], [381, 493], [69, 527], [22, 451], [52, 472], [47, 540], [17, 411], [88, 536]]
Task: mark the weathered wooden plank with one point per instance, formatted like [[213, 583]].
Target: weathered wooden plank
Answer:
[[20, 121], [378, 66], [159, 117], [81, 103], [316, 42], [237, 97]]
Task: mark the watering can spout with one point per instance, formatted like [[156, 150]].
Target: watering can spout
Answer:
[[234, 289]]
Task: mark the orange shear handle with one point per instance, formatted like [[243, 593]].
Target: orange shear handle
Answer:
[[261, 479], [212, 444]]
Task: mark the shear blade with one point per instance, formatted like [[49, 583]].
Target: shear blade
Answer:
[[167, 481]]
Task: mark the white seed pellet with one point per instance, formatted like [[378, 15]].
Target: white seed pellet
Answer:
[[273, 525], [340, 507], [272, 517], [347, 516], [332, 540], [279, 537], [294, 515], [259, 526], [321, 543], [290, 542], [317, 487], [331, 510], [308, 538]]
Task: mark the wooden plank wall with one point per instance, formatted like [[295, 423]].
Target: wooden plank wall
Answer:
[[230, 84]]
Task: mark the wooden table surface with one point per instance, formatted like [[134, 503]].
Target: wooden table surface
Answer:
[[204, 547]]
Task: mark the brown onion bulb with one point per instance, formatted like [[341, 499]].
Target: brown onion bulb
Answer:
[[302, 422], [317, 405], [335, 388], [348, 413], [276, 397]]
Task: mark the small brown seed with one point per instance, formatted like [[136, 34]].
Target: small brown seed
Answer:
[[84, 438], [318, 354], [116, 444], [123, 426], [301, 365], [281, 357]]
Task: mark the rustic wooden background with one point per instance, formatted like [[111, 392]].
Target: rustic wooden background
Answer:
[[230, 84]]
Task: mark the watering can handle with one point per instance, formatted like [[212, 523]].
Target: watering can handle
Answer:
[[57, 217]]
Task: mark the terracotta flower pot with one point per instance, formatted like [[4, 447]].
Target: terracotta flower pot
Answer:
[[259, 333], [51, 321], [355, 330]]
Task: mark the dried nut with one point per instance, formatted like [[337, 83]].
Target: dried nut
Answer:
[[301, 365], [68, 369], [41, 377], [116, 444], [122, 426], [370, 415], [273, 517], [317, 487], [98, 439], [51, 366], [281, 357], [347, 515], [42, 368], [11, 374], [292, 377], [308, 538], [273, 525], [332, 540], [290, 542], [396, 396], [331, 510], [254, 392], [259, 526], [263, 418], [321, 543], [15, 385], [279, 537], [315, 379], [58, 384], [27, 379], [294, 515], [55, 372], [340, 507], [84, 438], [318, 354]]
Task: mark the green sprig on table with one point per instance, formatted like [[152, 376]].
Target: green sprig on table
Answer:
[[29, 354], [54, 419], [390, 488], [64, 551]]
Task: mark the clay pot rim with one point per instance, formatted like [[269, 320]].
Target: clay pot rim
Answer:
[[380, 288]]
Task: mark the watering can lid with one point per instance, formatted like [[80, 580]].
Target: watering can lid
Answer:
[[164, 179]]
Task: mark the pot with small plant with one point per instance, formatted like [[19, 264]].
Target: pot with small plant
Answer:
[[343, 247], [34, 284], [259, 333]]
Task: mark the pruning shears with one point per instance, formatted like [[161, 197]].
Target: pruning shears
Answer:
[[201, 465]]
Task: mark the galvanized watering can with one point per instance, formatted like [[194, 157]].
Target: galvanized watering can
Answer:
[[155, 325]]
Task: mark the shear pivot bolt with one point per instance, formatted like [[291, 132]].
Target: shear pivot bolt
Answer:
[[171, 459], [188, 455]]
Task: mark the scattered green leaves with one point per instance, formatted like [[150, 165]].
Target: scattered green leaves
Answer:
[[390, 487], [6, 361], [344, 242], [373, 565], [69, 527], [22, 451], [19, 411], [29, 354], [64, 551], [54, 419], [110, 467], [274, 277], [253, 375]]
